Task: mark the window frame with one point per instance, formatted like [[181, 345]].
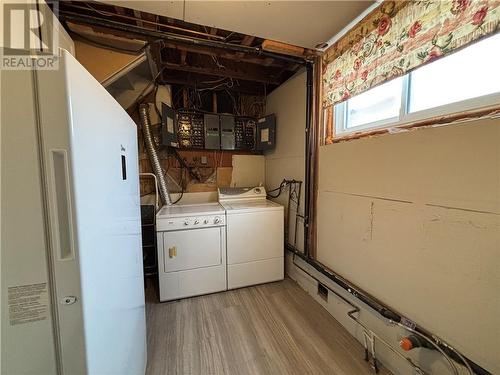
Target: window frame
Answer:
[[405, 117]]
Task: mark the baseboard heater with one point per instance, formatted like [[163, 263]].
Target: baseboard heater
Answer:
[[386, 312]]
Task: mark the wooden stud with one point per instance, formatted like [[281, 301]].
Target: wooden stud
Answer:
[[329, 125], [138, 15], [185, 101], [183, 57], [214, 101]]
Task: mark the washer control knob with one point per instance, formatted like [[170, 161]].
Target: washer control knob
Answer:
[[186, 223], [216, 220], [196, 222], [205, 221]]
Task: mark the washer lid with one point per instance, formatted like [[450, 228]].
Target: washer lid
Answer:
[[249, 206], [185, 210]]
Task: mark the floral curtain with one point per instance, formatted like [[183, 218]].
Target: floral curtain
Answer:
[[400, 36]]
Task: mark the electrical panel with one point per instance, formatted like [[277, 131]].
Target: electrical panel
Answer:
[[212, 132], [190, 129], [227, 139], [168, 126], [266, 133], [244, 133]]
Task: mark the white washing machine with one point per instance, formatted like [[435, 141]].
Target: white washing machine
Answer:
[[191, 241], [255, 237]]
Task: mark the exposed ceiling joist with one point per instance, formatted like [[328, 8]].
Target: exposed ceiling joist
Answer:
[[229, 73], [247, 40], [201, 82], [187, 54], [219, 52], [139, 21]]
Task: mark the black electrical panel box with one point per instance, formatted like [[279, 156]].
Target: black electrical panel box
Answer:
[[265, 138], [244, 133], [227, 140], [212, 131], [168, 126], [190, 129]]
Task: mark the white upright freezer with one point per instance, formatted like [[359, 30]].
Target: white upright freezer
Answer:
[[72, 290]]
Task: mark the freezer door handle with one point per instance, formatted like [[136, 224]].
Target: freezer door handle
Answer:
[[62, 210]]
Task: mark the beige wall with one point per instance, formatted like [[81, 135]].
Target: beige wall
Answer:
[[414, 219], [287, 159]]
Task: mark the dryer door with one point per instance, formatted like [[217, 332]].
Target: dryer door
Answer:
[[189, 249]]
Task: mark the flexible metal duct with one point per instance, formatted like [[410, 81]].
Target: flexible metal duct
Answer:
[[153, 155]]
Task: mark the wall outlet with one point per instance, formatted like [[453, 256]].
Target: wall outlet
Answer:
[[203, 160]]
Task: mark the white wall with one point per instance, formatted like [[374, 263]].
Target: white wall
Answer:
[[414, 219], [288, 103]]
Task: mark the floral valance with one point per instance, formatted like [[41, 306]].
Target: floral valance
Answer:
[[399, 36]]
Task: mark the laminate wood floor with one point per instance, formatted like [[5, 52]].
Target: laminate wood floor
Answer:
[[274, 328]]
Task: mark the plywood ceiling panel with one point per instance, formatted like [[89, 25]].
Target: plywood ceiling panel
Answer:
[[302, 23]]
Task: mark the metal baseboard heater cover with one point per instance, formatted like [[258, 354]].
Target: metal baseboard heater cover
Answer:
[[387, 312]]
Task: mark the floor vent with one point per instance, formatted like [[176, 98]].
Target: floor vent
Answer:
[[323, 291]]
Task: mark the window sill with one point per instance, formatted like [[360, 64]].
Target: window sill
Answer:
[[485, 112]]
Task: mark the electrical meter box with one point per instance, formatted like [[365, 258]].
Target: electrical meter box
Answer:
[[168, 126], [227, 139], [212, 132], [265, 135]]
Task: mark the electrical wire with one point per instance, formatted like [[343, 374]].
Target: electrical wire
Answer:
[[285, 183], [153, 81], [182, 186], [156, 103], [279, 189]]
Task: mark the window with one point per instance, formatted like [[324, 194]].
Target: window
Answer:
[[382, 103], [465, 80]]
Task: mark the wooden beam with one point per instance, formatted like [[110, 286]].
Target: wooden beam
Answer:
[[120, 10], [214, 102], [234, 74], [279, 47], [183, 57], [225, 54], [137, 14], [247, 40]]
